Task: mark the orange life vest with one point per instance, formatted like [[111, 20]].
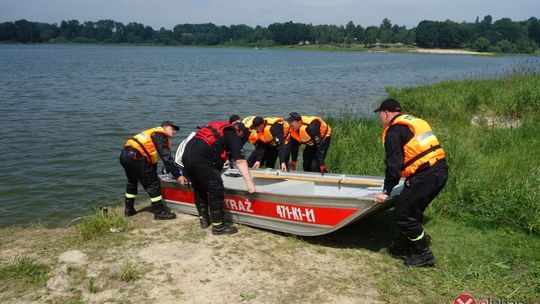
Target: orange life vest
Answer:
[[423, 147], [266, 136], [143, 143], [212, 134], [253, 137], [303, 137]]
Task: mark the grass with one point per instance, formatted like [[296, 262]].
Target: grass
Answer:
[[26, 269], [101, 224], [129, 273]]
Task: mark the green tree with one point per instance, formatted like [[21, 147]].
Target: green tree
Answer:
[[27, 31], [385, 33], [533, 29], [427, 34], [508, 30], [350, 32], [481, 44], [371, 36], [8, 31], [506, 46]]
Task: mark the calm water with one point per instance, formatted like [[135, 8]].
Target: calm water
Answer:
[[67, 110]]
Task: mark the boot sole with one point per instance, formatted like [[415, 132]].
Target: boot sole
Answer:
[[223, 232], [429, 263], [164, 218]]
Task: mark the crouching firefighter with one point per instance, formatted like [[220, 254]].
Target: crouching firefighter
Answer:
[[412, 152], [203, 159], [139, 158]]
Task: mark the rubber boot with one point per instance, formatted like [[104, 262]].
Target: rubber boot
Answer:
[[421, 255], [204, 219], [218, 227], [129, 207], [162, 212]]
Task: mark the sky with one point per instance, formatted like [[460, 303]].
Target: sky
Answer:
[[168, 13]]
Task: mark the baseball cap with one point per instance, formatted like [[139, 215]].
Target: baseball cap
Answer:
[[390, 105], [170, 123], [234, 118], [294, 116]]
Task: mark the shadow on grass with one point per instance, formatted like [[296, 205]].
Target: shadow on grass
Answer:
[[374, 233]]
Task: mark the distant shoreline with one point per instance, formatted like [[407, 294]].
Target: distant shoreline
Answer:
[[313, 47], [450, 52]]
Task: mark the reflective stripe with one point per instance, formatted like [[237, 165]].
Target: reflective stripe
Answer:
[[425, 136], [217, 224], [129, 195], [419, 237], [155, 199]]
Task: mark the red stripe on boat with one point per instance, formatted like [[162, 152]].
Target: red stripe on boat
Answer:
[[279, 210]]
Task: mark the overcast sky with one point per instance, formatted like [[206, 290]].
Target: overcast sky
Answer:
[[168, 13]]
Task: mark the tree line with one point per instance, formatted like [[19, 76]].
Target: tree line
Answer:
[[503, 35]]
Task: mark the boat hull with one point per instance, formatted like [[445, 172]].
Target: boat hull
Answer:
[[308, 205]]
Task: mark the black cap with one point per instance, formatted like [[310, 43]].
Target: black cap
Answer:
[[390, 105], [170, 123], [294, 116], [257, 121], [234, 118]]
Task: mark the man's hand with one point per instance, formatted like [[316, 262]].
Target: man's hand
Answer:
[[380, 197], [182, 180], [283, 167], [256, 165], [250, 187]]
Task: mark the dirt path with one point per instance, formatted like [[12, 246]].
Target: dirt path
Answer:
[[177, 262]]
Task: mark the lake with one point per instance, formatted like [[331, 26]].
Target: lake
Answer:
[[68, 109]]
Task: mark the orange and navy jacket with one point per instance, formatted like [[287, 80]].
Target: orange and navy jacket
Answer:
[[143, 143], [422, 148], [302, 135], [266, 135]]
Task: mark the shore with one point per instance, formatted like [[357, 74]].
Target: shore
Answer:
[[450, 52], [178, 262]]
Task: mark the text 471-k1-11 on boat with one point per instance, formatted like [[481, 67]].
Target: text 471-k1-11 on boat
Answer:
[[301, 203]]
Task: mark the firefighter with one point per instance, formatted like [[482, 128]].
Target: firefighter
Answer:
[[412, 152], [203, 158], [139, 157], [315, 134], [270, 137]]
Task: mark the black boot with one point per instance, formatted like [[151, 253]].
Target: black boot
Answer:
[[204, 219], [421, 255], [162, 212], [129, 207], [218, 227], [400, 247]]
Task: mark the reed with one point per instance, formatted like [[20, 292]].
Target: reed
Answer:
[[494, 166]]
